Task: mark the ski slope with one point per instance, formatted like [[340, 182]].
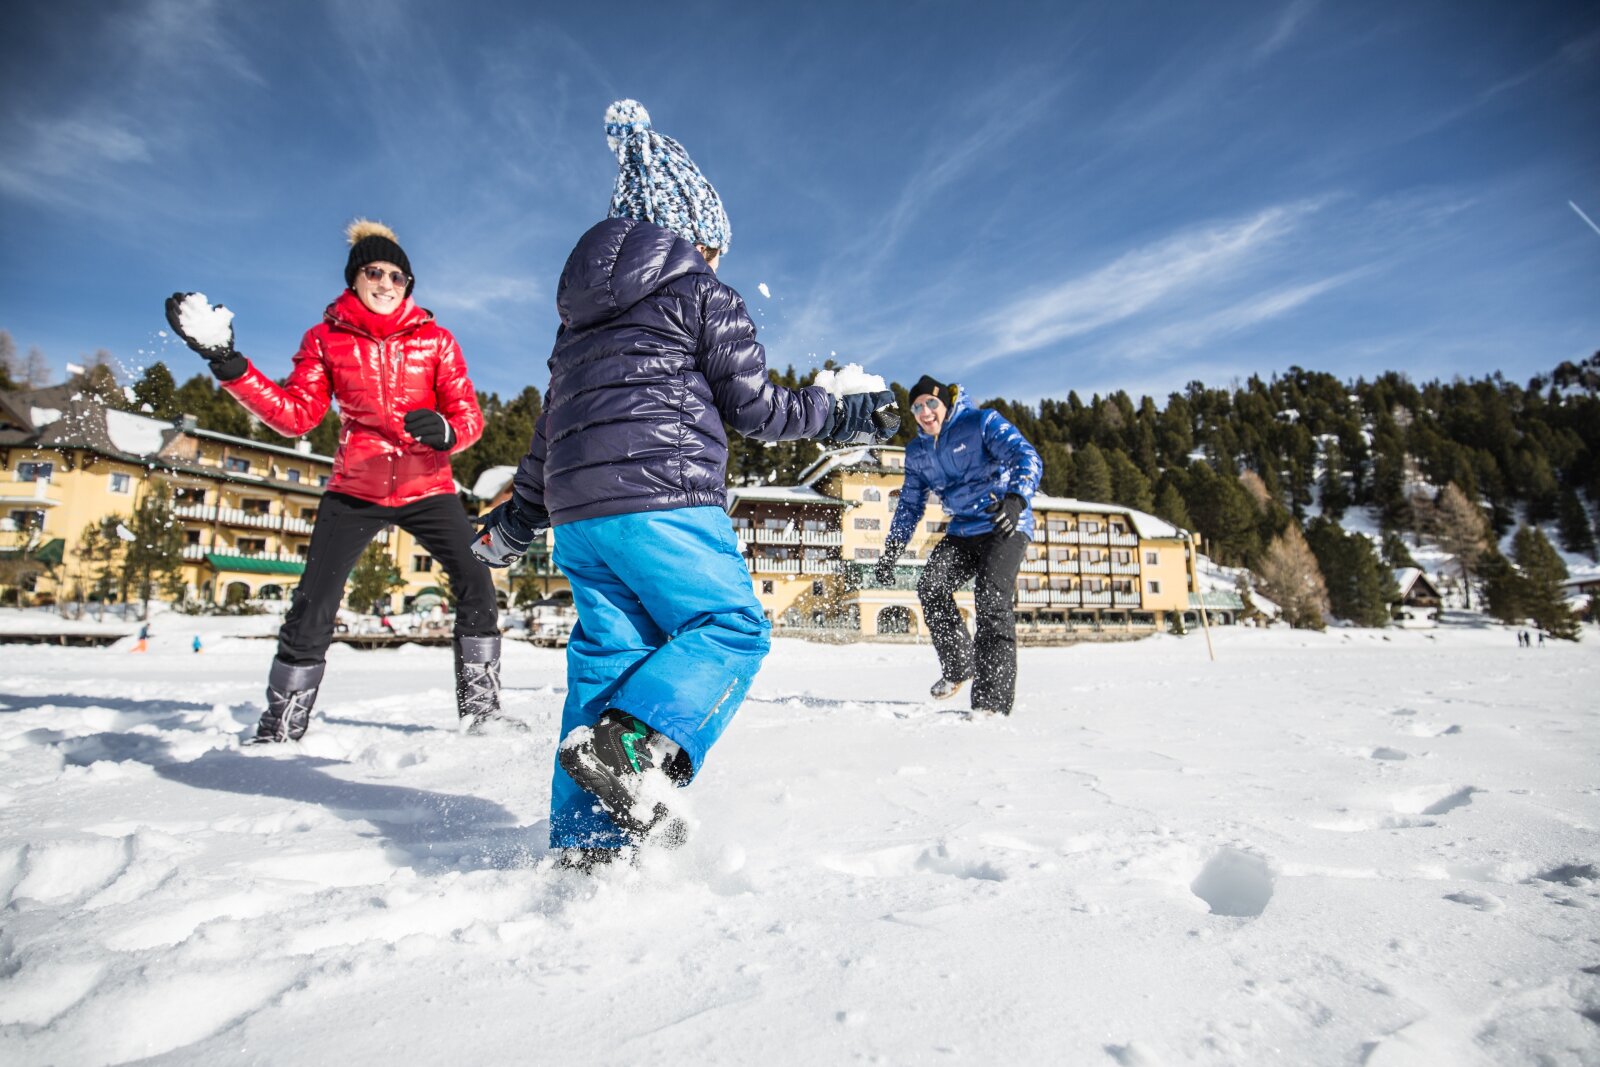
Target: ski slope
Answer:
[[1341, 848]]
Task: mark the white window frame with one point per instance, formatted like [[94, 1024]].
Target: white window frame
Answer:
[[127, 483]]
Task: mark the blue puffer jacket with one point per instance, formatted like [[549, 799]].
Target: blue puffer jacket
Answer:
[[977, 458], [653, 354]]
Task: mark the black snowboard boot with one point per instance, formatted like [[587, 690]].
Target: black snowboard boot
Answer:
[[478, 682], [291, 691], [945, 688], [607, 762]]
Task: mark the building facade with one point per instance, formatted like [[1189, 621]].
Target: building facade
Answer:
[[247, 507]]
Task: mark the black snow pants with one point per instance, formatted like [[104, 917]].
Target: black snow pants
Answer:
[[991, 660], [345, 526]]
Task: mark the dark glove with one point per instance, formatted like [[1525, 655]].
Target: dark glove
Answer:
[[431, 428], [861, 419], [505, 533], [883, 573], [226, 364], [1006, 512]]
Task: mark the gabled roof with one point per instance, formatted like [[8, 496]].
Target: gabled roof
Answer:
[[780, 494], [869, 456], [1408, 577], [492, 482]]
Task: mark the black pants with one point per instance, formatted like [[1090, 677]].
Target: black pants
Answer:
[[991, 660], [345, 526]]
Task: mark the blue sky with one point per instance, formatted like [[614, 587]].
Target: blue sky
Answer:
[[1027, 198]]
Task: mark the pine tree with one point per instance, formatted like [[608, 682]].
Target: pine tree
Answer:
[[1058, 468], [1170, 506], [154, 557], [1092, 475], [374, 578], [10, 369], [1576, 534], [156, 393], [1129, 486], [1543, 572], [1290, 576], [1395, 552], [1461, 530], [1359, 587], [1334, 493]]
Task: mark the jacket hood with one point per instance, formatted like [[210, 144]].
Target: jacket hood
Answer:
[[349, 312], [618, 263], [962, 406]]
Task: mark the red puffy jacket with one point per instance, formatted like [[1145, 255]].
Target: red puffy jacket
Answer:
[[377, 368]]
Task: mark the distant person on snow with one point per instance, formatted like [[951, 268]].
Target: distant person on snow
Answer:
[[628, 463], [985, 473], [405, 405]]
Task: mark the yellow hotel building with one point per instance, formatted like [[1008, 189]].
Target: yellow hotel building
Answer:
[[67, 461]]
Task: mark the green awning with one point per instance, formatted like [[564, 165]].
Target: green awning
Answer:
[[1215, 601], [246, 565], [49, 552]]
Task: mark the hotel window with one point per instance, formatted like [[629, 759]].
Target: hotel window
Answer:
[[868, 524], [294, 476], [1055, 526], [322, 479], [1090, 527], [741, 522], [1121, 557], [1150, 558], [121, 483], [255, 507], [236, 464], [309, 514], [35, 472], [766, 585], [189, 496], [421, 562], [774, 524], [251, 544], [191, 537], [868, 553], [870, 493], [816, 588], [28, 520], [1155, 587]]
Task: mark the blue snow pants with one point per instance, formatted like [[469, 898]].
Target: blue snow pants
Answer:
[[669, 630]]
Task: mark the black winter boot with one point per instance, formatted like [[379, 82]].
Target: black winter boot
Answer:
[[607, 762], [291, 691], [478, 682]]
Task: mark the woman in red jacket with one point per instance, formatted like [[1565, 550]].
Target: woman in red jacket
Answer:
[[405, 405]]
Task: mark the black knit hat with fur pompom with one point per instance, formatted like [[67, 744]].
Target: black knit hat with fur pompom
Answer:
[[373, 242]]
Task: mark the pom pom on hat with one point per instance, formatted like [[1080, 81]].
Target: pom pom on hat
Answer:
[[373, 242], [623, 118], [659, 183]]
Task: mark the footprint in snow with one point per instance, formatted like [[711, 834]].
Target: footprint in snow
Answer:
[[1234, 883], [1481, 901], [1430, 800]]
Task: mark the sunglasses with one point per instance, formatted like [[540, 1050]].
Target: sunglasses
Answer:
[[930, 405], [378, 274]]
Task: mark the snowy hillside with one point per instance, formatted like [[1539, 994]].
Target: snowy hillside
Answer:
[[1332, 848]]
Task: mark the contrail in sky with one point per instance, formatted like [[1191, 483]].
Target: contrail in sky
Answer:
[[1584, 217]]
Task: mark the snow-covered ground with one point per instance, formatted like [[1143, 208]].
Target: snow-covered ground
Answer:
[[1333, 848]]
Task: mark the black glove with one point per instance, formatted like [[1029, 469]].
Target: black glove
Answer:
[[1006, 511], [226, 364], [862, 419], [883, 572], [431, 428], [505, 533]]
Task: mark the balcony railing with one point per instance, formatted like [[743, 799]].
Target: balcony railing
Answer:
[[196, 553], [1063, 537], [294, 525], [1068, 564], [195, 512], [1097, 599], [253, 519], [745, 534], [1094, 568], [1033, 596], [821, 537], [777, 537], [765, 565], [1094, 539], [1126, 600], [1124, 568], [1124, 539], [819, 566], [1036, 566]]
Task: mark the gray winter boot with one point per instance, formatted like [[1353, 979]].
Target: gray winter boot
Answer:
[[478, 682], [291, 691]]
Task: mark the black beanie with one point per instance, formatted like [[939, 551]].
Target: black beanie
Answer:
[[373, 242], [926, 386]]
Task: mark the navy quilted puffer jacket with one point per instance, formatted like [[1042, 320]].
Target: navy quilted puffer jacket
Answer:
[[653, 354]]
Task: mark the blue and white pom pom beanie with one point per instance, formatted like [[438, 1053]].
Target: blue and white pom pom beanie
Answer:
[[659, 183]]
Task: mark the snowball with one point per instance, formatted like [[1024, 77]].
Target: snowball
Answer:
[[124, 533], [764, 290], [210, 327], [849, 379]]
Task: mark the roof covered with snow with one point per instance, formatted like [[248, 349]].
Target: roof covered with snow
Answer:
[[492, 482], [863, 456], [1144, 524], [136, 435], [779, 494]]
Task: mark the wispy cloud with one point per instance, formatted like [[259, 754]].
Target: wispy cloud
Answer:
[[1137, 281], [1237, 318], [1289, 22]]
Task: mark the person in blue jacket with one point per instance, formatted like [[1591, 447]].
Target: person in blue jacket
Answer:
[[628, 463], [985, 473]]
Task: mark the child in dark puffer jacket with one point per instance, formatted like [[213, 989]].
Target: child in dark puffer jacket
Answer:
[[628, 463]]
